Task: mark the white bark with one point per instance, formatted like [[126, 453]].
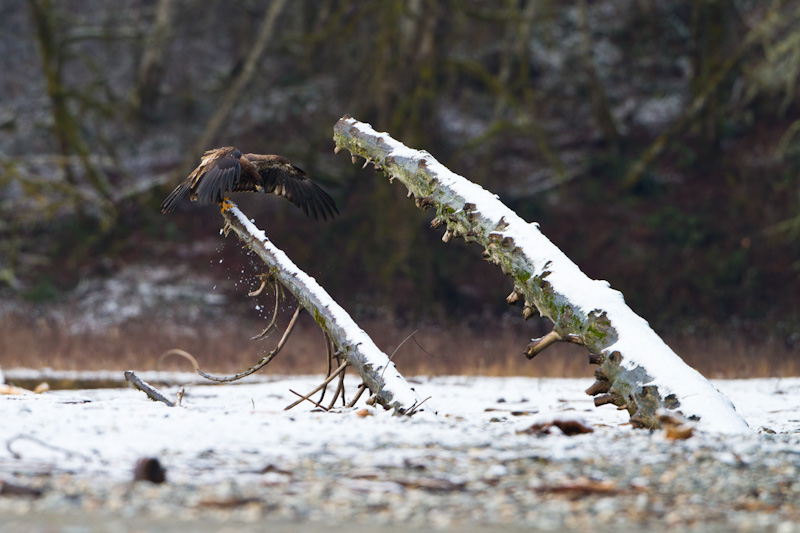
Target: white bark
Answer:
[[374, 366], [638, 371]]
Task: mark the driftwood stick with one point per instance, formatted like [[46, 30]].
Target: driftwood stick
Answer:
[[65, 451], [415, 408], [146, 388], [260, 288]]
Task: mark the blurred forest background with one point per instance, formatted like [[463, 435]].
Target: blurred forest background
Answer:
[[657, 144]]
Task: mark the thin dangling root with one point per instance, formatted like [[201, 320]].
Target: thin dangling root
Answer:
[[330, 378], [274, 322], [261, 363]]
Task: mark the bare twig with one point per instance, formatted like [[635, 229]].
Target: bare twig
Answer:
[[391, 356], [68, 453], [306, 397], [330, 349], [359, 392], [339, 391], [260, 288], [182, 353], [416, 406]]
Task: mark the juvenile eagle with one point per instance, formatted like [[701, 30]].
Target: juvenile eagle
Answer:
[[225, 170]]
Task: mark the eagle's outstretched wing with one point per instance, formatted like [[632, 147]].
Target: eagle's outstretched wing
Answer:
[[282, 178], [225, 170]]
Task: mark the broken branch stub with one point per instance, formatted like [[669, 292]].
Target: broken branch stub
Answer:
[[378, 372], [638, 371]]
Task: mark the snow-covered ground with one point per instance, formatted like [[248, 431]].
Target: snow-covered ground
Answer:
[[242, 432]]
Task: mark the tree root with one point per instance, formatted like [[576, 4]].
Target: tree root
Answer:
[[261, 363], [255, 368], [330, 378], [537, 346], [359, 392], [273, 325]]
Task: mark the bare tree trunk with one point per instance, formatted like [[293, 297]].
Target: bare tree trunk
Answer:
[[65, 126], [375, 368], [638, 371], [237, 87], [151, 67]]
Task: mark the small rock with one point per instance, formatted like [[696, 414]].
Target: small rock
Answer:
[[149, 469]]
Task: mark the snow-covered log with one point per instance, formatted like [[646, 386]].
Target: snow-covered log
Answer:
[[637, 371], [375, 368]]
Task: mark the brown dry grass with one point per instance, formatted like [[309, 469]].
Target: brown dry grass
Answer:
[[223, 346]]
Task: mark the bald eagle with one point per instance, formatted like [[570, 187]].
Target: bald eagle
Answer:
[[225, 170]]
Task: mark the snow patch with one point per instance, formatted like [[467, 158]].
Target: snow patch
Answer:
[[220, 431]]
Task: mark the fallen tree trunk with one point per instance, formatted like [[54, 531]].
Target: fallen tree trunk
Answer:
[[637, 371], [390, 388]]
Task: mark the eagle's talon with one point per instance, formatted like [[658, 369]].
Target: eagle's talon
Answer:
[[226, 204]]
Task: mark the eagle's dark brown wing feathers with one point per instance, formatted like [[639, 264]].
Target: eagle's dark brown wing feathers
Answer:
[[328, 205], [295, 192], [220, 179], [180, 192], [320, 200], [224, 170], [282, 178]]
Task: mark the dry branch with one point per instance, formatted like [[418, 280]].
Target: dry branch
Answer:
[[351, 342], [321, 386], [638, 371]]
